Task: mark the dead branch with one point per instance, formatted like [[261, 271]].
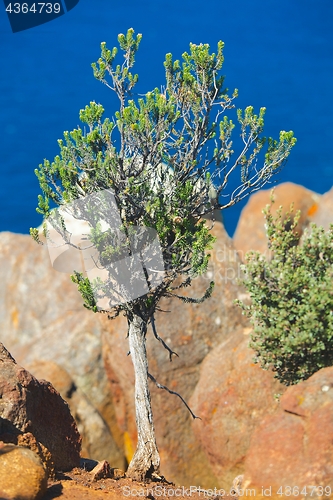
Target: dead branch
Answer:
[[157, 337], [160, 386]]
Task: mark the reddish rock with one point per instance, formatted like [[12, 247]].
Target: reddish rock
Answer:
[[250, 232], [97, 441], [101, 471], [28, 440], [42, 314], [31, 407], [118, 473], [232, 396], [191, 330], [294, 447], [324, 215]]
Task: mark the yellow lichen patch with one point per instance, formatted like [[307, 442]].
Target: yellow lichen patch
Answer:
[[14, 317], [300, 399], [313, 209], [128, 447]]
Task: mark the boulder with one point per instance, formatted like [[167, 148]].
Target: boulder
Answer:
[[294, 447], [97, 440], [43, 320], [324, 215], [32, 412], [191, 330], [250, 233], [22, 474], [232, 396]]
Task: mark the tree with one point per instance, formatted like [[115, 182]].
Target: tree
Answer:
[[292, 299], [161, 166]]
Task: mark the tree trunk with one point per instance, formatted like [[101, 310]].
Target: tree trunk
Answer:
[[146, 459]]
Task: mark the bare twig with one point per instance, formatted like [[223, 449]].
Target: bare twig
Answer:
[[157, 337], [160, 386]]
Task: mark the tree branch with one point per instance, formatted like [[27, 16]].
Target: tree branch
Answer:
[[160, 386], [157, 337]]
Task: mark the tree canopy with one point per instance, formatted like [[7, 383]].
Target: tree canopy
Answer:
[[167, 156]]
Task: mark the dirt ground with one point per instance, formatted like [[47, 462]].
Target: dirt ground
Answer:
[[80, 484]]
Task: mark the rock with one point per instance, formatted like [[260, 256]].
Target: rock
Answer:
[[42, 317], [22, 474], [97, 440], [232, 396], [118, 473], [103, 471], [32, 412], [250, 233], [324, 215], [28, 440], [294, 447], [192, 330]]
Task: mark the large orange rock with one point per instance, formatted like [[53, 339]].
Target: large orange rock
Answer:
[[294, 447], [232, 396], [250, 232]]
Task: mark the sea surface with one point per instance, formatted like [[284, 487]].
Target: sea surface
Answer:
[[278, 53]]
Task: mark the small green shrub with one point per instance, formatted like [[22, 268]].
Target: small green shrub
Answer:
[[291, 294]]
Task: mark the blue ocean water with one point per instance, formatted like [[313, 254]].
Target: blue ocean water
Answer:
[[278, 53]]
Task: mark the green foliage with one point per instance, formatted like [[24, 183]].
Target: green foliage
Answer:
[[86, 290], [292, 299], [155, 155]]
